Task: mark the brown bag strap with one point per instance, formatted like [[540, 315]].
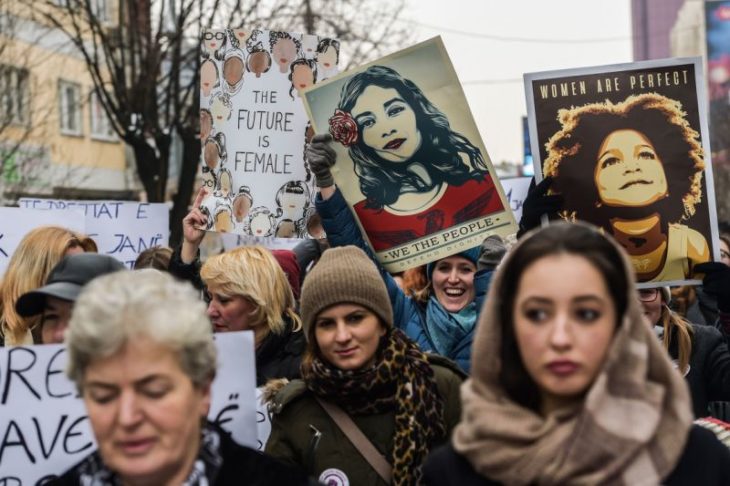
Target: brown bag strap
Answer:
[[359, 440]]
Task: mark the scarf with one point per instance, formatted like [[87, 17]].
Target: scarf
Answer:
[[93, 472], [447, 329], [630, 428], [401, 380]]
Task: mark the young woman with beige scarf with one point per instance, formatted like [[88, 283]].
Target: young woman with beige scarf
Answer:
[[572, 386]]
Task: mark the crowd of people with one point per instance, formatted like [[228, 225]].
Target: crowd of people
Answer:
[[535, 362]]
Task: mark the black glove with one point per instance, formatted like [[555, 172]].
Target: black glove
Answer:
[[491, 252], [538, 203], [321, 157], [716, 283]]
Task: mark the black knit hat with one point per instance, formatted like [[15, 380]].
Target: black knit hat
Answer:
[[344, 275]]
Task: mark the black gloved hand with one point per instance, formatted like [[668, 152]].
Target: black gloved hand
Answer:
[[321, 157], [538, 203], [716, 282], [491, 253]]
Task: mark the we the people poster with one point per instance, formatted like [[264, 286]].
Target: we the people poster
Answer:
[[628, 148], [410, 160], [253, 128]]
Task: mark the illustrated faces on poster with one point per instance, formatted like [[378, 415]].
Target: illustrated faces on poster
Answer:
[[261, 223], [387, 123], [628, 170], [233, 68], [259, 62], [208, 77], [223, 220], [206, 124], [327, 59], [241, 35], [211, 154], [225, 183], [213, 40], [220, 108], [302, 76], [242, 204], [286, 229], [309, 45], [293, 204], [284, 51]]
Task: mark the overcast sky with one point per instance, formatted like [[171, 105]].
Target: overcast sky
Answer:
[[493, 42]]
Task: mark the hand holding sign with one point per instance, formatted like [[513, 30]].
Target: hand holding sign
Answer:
[[194, 225]]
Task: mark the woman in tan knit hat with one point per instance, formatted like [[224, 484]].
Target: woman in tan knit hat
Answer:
[[403, 401], [573, 386]]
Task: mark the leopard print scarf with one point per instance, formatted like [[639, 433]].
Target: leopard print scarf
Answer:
[[402, 380]]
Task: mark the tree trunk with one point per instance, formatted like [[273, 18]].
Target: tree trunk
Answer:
[[188, 170]]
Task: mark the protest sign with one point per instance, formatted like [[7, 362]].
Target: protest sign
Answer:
[[515, 190], [253, 128], [15, 223], [231, 241], [627, 147], [44, 429], [122, 229], [410, 160]]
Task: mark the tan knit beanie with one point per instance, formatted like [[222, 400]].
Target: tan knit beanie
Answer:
[[344, 275]]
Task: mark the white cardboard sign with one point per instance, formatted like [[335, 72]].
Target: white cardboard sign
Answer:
[[122, 229], [44, 429], [515, 190]]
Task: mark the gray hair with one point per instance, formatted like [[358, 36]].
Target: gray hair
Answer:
[[115, 309]]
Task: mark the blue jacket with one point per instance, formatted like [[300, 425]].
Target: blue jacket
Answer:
[[408, 314]]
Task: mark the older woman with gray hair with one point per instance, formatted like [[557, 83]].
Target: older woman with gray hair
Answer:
[[141, 352]]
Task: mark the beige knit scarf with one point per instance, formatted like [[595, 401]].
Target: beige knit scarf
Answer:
[[630, 429]]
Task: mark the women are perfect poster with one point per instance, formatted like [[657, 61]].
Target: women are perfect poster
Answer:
[[627, 147]]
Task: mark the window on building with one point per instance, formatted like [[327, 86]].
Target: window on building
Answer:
[[69, 95], [101, 126], [100, 10], [14, 95]]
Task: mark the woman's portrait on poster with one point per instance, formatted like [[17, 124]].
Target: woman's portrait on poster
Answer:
[[418, 175], [645, 162]]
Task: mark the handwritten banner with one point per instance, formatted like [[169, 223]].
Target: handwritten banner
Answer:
[[44, 429], [15, 223], [253, 128], [122, 229]]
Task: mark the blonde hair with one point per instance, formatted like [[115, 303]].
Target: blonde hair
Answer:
[[122, 307], [674, 323], [253, 273], [31, 263]]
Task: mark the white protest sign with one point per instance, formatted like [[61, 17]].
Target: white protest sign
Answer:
[[263, 420], [15, 223], [254, 129], [231, 241], [515, 190], [122, 229], [44, 429]]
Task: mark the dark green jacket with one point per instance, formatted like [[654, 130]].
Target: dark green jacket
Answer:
[[303, 434]]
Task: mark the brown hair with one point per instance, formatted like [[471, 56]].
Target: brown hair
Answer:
[[572, 155], [676, 325], [34, 258], [157, 257]]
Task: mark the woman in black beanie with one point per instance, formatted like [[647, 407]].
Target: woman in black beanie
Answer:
[[403, 401]]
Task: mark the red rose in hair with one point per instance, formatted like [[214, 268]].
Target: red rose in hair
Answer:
[[343, 128]]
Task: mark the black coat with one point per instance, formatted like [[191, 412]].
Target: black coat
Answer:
[[279, 356], [709, 368], [241, 466], [705, 461]]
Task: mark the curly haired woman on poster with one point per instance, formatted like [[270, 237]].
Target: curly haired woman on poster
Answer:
[[408, 159], [645, 161]]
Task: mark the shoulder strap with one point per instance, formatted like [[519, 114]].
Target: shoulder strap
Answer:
[[359, 440]]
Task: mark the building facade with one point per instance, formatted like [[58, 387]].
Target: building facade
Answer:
[[55, 137]]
